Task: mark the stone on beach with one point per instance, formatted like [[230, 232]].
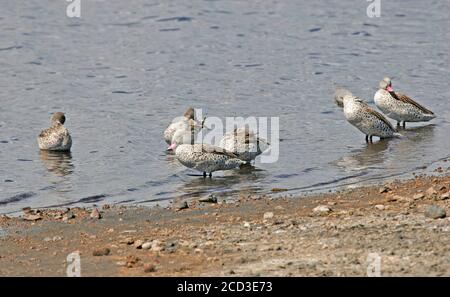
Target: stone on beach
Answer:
[[268, 215], [322, 209], [435, 212], [95, 214], [101, 252]]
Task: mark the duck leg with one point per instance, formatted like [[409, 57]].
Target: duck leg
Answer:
[[404, 124], [367, 138], [210, 174], [398, 124], [371, 138], [204, 173]]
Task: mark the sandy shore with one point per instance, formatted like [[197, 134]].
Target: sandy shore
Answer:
[[321, 235]]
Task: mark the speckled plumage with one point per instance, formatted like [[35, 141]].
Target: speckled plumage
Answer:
[[400, 107], [206, 158], [56, 137], [182, 123], [367, 120], [243, 143]]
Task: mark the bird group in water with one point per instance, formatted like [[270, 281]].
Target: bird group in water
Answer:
[[394, 105], [241, 146]]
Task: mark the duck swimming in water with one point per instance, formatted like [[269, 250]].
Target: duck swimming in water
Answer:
[[398, 106], [57, 137]]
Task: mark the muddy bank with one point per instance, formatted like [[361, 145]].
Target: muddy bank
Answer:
[[322, 235]]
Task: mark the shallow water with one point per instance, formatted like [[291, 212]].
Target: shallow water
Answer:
[[126, 68]]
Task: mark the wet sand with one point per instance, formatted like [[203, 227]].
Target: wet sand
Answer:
[[249, 236]]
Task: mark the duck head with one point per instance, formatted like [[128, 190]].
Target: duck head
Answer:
[[58, 118], [386, 84]]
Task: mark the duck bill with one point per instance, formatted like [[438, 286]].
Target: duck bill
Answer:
[[172, 147], [389, 89]]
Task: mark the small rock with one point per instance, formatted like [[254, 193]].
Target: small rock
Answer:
[[247, 225], [26, 210], [101, 252], [58, 217], [127, 240], [379, 206], [157, 246], [445, 196], [32, 217], [149, 268], [268, 215], [209, 199], [181, 205], [442, 188], [391, 198], [431, 192], [68, 216], [138, 243], [106, 206], [322, 209], [331, 203], [419, 196], [95, 214], [121, 263], [435, 212], [146, 245], [131, 261], [384, 190]]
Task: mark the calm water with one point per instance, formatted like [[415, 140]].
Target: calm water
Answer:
[[126, 68]]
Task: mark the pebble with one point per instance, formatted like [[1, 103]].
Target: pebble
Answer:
[[101, 252], [247, 225], [32, 217], [138, 243], [209, 199], [181, 205], [157, 246], [431, 192], [127, 240], [95, 214], [149, 268], [418, 196], [146, 245], [384, 190], [322, 209], [68, 216], [380, 207], [445, 196], [268, 215], [435, 212]]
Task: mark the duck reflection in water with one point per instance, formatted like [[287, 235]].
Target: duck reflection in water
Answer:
[[58, 163], [236, 181], [371, 155], [390, 153]]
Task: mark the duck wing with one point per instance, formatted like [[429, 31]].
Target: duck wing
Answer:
[[379, 116], [212, 149], [406, 99]]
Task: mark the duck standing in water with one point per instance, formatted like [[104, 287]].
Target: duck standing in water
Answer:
[[367, 120], [202, 157], [398, 106], [57, 137], [181, 124], [243, 143]]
